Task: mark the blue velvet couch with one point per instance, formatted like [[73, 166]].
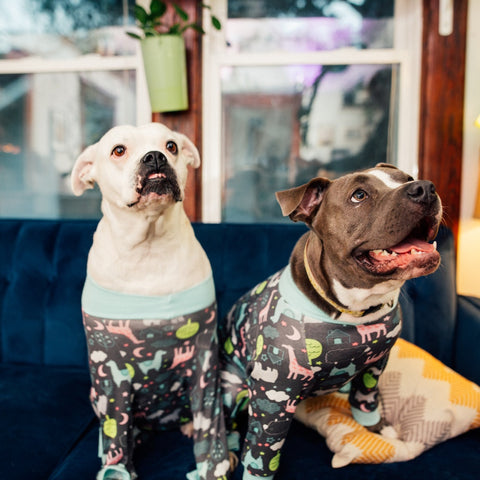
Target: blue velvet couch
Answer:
[[48, 429]]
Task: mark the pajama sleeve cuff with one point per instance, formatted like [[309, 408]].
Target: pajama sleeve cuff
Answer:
[[113, 471], [367, 419]]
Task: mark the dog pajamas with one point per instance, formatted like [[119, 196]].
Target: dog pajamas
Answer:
[[154, 365], [278, 348]]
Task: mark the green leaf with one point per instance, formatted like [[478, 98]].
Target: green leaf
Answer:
[[140, 14], [195, 27], [134, 35], [216, 23], [157, 8], [150, 32], [175, 29], [180, 12]]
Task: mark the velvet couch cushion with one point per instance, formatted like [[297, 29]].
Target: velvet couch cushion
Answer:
[[42, 270], [44, 411], [168, 456], [49, 425], [467, 338]]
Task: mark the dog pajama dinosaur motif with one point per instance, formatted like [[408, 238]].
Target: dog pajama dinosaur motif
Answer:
[[154, 367], [278, 348]]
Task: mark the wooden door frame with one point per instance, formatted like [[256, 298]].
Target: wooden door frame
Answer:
[[189, 122], [441, 106]]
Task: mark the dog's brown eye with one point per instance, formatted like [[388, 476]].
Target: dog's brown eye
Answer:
[[172, 147], [119, 151], [359, 196]]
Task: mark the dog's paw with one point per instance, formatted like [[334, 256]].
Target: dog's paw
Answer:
[[383, 428], [187, 429], [377, 428], [389, 432]]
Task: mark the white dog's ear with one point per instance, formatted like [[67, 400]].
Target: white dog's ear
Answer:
[[190, 151], [82, 174]]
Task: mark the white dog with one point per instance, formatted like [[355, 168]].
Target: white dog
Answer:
[[149, 301]]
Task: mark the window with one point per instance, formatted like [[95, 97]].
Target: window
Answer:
[[299, 89], [68, 72]]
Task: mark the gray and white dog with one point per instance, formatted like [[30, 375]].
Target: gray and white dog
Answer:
[[148, 303], [329, 319]]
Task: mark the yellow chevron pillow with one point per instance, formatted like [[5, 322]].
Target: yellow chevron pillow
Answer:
[[424, 401]]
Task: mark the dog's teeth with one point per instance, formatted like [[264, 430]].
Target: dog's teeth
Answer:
[[435, 245], [384, 253], [414, 251]]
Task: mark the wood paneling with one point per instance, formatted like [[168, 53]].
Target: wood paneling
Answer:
[[189, 122], [441, 106]]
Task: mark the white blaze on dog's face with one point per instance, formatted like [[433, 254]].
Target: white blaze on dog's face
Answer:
[[137, 167]]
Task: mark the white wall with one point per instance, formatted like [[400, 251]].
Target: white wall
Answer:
[[471, 135]]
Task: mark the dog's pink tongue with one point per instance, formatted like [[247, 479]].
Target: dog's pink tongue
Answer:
[[405, 247]]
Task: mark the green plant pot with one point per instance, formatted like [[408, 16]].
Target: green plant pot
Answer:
[[165, 65]]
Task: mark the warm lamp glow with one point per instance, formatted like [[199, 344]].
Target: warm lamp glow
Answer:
[[468, 261], [476, 213], [477, 122]]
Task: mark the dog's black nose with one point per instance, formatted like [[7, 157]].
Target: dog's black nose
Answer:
[[155, 159], [421, 191]]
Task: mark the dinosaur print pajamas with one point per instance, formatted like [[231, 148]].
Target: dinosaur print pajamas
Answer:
[[153, 364], [278, 348]]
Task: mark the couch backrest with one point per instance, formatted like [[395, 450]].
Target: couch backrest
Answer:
[[42, 270], [43, 264]]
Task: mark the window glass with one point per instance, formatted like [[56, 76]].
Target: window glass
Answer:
[[45, 121], [49, 111], [308, 25], [284, 125], [65, 28]]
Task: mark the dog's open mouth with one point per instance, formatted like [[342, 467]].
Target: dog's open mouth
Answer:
[[416, 252], [157, 185]]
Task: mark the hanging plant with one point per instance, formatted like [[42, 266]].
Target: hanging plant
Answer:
[[163, 52], [152, 23]]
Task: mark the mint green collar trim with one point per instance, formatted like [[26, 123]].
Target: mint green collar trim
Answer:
[[293, 296], [101, 302], [298, 300]]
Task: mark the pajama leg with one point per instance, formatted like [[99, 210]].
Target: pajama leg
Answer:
[[364, 393], [268, 424], [210, 444], [111, 397], [209, 434], [233, 368]]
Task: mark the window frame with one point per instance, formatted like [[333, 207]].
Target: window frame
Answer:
[[406, 54], [87, 63]]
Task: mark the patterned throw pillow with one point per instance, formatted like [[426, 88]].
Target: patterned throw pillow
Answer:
[[424, 401]]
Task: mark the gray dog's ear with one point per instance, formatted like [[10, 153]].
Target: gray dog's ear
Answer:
[[82, 173], [301, 203], [190, 151]]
